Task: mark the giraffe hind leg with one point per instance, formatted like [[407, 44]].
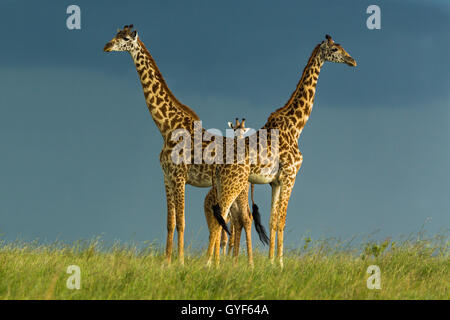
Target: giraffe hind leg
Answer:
[[231, 240], [248, 235], [237, 241], [224, 242]]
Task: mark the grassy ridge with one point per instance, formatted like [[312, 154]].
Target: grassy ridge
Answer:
[[319, 270]]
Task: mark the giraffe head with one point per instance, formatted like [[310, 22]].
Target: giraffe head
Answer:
[[239, 127], [334, 52], [124, 40]]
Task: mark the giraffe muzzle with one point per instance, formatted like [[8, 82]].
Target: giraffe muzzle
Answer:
[[350, 61], [108, 47]]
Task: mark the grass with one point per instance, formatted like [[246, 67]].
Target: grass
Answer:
[[413, 269]]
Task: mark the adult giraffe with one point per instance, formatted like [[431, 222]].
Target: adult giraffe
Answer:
[[285, 159]]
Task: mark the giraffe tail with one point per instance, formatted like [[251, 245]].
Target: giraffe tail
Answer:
[[219, 218], [257, 219], [258, 226]]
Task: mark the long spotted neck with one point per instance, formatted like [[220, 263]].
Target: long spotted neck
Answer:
[[167, 112], [294, 115]]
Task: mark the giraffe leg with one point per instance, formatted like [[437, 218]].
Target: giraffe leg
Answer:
[[248, 234], [170, 221], [179, 190], [217, 249], [273, 235], [228, 189], [237, 241], [231, 240], [224, 237], [224, 242], [210, 199], [280, 235], [273, 219], [285, 194], [213, 234], [214, 242], [245, 218], [214, 227], [216, 236]]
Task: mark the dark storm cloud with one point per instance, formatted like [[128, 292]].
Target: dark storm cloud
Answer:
[[80, 152]]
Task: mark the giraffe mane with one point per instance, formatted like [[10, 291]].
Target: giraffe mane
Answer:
[[313, 54], [183, 107]]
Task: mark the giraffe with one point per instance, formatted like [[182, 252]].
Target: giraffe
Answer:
[[169, 115], [240, 214], [230, 180]]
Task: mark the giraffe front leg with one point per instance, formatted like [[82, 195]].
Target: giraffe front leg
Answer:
[[179, 190], [273, 219], [170, 221], [285, 194], [210, 199]]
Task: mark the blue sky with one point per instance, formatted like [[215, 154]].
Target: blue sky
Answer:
[[80, 151]]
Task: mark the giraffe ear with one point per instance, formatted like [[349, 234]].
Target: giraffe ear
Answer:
[[134, 34], [230, 124], [246, 130]]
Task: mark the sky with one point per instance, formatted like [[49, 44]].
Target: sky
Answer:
[[80, 152]]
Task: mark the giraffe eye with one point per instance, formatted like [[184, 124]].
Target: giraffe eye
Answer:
[[334, 50]]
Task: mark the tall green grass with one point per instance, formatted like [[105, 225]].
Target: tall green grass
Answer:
[[411, 269]]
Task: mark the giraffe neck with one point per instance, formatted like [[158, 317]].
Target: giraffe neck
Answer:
[[167, 112], [294, 115]]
